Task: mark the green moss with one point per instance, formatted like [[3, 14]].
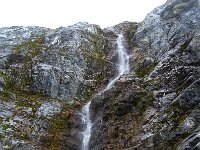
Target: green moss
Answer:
[[5, 96], [143, 102], [30, 100], [30, 49], [100, 77], [179, 114], [90, 93], [95, 55], [130, 34], [94, 50], [24, 136], [18, 49], [2, 75], [19, 83], [5, 127], [23, 98], [2, 136], [59, 124], [142, 70]]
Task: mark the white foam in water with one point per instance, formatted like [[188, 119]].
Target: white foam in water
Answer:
[[86, 120], [123, 64], [123, 68]]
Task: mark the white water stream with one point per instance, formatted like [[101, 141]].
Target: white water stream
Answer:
[[123, 68]]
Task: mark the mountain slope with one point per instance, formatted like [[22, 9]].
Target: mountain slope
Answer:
[[157, 105], [47, 75]]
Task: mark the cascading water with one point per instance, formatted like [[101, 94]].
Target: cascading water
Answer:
[[123, 64], [86, 120], [123, 68]]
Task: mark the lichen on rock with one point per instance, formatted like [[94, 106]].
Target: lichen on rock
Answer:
[[43, 76], [47, 75]]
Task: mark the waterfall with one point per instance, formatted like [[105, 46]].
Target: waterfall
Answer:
[[86, 120], [123, 64], [123, 68]]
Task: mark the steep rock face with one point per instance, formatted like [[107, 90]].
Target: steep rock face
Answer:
[[115, 121], [45, 75], [170, 26], [172, 41], [157, 106]]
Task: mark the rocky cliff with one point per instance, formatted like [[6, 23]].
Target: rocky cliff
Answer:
[[47, 75], [157, 105]]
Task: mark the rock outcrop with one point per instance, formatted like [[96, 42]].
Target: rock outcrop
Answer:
[[157, 105], [45, 75]]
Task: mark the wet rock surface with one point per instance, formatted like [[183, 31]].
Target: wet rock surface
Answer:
[[157, 107]]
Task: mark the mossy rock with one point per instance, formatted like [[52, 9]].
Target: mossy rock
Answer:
[[145, 100], [29, 50], [143, 69]]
